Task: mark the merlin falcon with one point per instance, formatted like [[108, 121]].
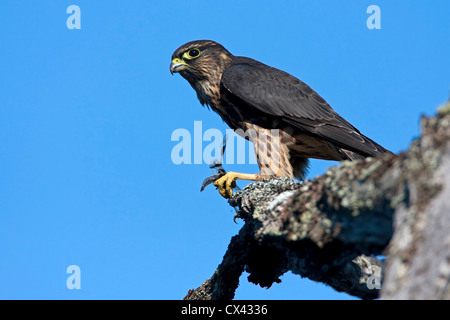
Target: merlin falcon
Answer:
[[286, 120]]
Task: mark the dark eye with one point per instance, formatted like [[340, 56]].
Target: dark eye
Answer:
[[194, 53]]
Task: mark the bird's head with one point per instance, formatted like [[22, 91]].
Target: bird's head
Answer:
[[200, 60]]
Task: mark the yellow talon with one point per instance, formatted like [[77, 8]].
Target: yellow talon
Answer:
[[227, 182]]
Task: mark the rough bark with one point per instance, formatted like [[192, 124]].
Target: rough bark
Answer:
[[418, 264], [332, 228]]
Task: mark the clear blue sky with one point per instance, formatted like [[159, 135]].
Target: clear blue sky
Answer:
[[86, 118]]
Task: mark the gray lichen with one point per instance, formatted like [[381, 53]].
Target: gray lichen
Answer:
[[329, 229]]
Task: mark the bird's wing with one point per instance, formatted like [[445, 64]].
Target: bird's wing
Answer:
[[280, 94]]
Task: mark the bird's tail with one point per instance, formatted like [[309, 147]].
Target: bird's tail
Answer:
[[375, 150]]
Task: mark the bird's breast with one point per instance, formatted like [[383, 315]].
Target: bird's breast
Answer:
[[207, 92]]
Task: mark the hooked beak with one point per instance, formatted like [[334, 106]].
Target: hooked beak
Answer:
[[177, 65]]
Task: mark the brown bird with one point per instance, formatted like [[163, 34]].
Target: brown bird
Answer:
[[286, 120]]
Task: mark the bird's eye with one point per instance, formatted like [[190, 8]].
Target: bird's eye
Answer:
[[193, 53]]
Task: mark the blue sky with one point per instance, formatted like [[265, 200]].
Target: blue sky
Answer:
[[86, 118]]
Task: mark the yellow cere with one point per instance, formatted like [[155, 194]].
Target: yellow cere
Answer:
[[177, 60]]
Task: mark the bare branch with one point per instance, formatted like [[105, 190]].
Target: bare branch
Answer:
[[331, 228]]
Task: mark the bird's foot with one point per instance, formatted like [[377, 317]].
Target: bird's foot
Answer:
[[226, 183]]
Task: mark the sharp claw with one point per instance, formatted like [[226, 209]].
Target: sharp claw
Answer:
[[211, 179], [220, 173]]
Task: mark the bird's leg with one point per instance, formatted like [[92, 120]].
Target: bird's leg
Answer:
[[227, 182]]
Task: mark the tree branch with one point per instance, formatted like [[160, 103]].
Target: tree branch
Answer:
[[331, 228]]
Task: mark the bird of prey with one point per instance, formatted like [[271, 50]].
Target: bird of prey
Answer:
[[289, 122]]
